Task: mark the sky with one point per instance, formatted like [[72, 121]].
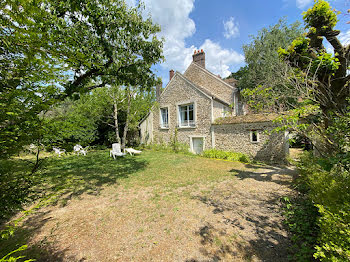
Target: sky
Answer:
[[221, 27]]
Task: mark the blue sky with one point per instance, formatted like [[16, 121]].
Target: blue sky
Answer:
[[221, 27]]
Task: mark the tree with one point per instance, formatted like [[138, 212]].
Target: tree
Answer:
[[52, 49], [264, 70], [323, 75], [100, 117]]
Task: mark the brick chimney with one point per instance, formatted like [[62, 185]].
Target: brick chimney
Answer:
[[199, 57], [158, 91], [171, 74]]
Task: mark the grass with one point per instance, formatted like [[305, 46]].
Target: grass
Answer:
[[154, 201]]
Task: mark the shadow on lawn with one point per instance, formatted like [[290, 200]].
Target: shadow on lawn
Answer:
[[43, 251], [281, 175], [265, 243], [65, 178], [253, 216], [75, 175]]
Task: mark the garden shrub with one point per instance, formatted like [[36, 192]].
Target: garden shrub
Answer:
[[232, 156], [325, 183]]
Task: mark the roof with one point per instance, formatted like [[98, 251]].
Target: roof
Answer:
[[214, 76], [250, 118], [206, 91]]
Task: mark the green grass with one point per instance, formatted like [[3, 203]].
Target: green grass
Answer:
[[60, 179], [72, 175]]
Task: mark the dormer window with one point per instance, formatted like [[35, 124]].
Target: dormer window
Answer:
[[186, 115], [164, 118]]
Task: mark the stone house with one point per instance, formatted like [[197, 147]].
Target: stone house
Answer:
[[206, 113]]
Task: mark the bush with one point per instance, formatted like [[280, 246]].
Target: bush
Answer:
[[232, 156], [326, 185]]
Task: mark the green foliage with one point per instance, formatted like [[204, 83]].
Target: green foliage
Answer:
[[320, 16], [300, 218], [265, 71], [90, 119], [15, 187], [326, 183], [51, 49], [231, 156], [259, 99], [171, 147], [10, 258]]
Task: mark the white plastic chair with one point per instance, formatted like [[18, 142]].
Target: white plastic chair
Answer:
[[77, 148], [58, 151], [116, 151], [83, 151], [132, 151]]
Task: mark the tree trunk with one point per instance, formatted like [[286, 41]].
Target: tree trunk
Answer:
[[127, 118], [115, 117]]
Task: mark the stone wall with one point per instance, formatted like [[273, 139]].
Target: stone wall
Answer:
[[210, 82], [146, 129], [179, 91], [218, 109], [237, 138]]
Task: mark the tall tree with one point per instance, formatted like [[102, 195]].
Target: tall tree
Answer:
[[324, 75], [264, 70], [51, 49]]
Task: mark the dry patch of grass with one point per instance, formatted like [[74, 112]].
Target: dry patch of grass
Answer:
[[158, 207]]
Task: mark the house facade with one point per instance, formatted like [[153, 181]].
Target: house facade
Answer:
[[206, 113]]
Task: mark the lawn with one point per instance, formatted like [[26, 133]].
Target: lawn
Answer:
[[158, 206]]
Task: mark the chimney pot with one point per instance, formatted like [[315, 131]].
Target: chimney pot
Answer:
[[171, 74], [199, 58]]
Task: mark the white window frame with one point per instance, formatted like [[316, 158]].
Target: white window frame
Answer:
[[161, 124], [257, 136], [190, 123]]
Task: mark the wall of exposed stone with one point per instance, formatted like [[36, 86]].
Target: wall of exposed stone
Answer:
[[179, 91], [236, 138], [146, 130], [218, 109], [196, 74]]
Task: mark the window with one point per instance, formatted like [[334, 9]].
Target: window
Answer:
[[254, 136], [186, 116], [164, 118]]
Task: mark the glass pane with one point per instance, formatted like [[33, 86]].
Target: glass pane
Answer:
[[191, 115], [254, 136]]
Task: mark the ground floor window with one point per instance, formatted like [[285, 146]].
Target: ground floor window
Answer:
[[164, 118], [254, 136], [186, 115]]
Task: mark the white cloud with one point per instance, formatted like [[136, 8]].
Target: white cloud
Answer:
[[231, 28], [303, 3], [176, 25], [344, 38], [218, 60]]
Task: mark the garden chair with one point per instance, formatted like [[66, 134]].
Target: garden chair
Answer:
[[58, 151], [83, 151], [77, 148], [132, 151], [116, 151]]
